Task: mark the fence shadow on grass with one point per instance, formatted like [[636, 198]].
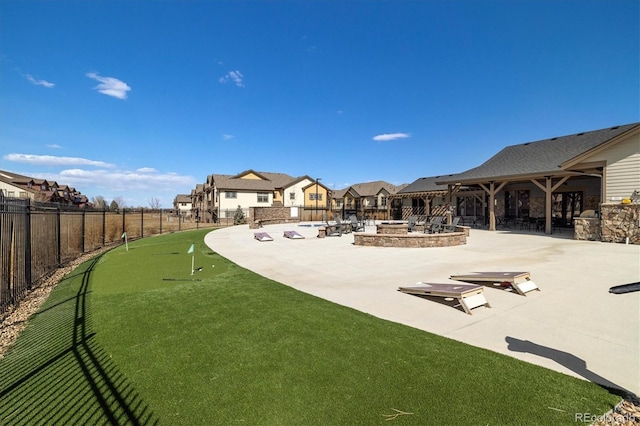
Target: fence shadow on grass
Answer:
[[64, 377]]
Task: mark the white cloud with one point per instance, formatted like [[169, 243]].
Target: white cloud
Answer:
[[110, 86], [54, 146], [39, 82], [136, 187], [234, 76], [51, 160], [391, 136], [124, 180], [227, 137]]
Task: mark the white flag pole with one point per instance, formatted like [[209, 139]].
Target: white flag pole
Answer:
[[192, 251], [126, 243]]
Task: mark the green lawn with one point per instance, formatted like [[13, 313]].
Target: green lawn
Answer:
[[131, 337]]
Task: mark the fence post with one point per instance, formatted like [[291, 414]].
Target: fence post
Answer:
[[160, 221], [59, 237], [104, 227], [27, 245], [141, 222], [83, 229]]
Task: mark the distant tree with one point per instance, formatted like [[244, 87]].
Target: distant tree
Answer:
[[154, 204], [99, 202], [114, 206], [120, 201], [238, 217]]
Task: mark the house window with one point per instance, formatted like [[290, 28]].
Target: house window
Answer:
[[516, 203], [230, 194], [11, 193], [263, 197], [23, 194], [292, 196], [313, 196], [383, 201]]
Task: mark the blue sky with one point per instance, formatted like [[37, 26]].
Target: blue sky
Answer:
[[142, 100]]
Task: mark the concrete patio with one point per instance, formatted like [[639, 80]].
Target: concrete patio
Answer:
[[573, 325]]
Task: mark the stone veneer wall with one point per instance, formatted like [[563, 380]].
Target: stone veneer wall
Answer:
[[269, 215], [410, 240], [620, 221], [587, 228]]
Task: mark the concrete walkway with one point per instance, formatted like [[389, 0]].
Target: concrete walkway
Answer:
[[573, 325]]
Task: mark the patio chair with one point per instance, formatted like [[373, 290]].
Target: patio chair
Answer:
[[411, 224], [469, 296], [333, 229], [356, 225], [434, 226], [451, 227], [345, 226]]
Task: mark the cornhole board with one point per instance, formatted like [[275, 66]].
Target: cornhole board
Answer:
[[262, 236], [293, 235], [519, 281], [469, 296]]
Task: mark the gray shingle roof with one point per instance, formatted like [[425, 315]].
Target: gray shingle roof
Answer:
[[539, 157], [425, 184], [235, 182], [370, 189]]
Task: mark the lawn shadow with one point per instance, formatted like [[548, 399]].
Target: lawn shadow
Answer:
[[570, 361], [54, 377]]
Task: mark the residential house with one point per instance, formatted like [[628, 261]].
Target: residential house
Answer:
[[220, 196], [182, 205], [554, 180], [13, 185], [316, 199], [368, 199]]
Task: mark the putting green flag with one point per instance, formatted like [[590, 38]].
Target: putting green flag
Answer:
[[191, 249], [124, 235]]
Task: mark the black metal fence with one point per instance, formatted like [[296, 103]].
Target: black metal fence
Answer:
[[36, 238]]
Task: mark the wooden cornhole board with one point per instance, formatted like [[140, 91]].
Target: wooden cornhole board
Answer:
[[520, 281], [262, 236], [293, 235], [468, 295]]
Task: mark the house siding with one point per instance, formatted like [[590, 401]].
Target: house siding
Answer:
[[244, 199], [623, 168]]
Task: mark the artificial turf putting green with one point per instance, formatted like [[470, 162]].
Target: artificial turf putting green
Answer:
[[133, 337]]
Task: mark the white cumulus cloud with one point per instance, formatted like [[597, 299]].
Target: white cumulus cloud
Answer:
[[235, 76], [51, 160], [391, 136], [110, 86], [43, 83], [227, 136], [146, 170]]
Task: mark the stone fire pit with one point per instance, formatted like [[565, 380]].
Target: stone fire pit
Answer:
[[396, 234]]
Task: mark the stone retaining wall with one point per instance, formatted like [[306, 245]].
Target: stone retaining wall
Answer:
[[410, 240], [269, 215]]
